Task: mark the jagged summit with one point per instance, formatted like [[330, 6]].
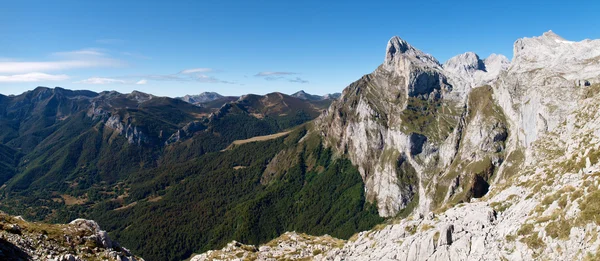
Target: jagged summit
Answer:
[[552, 35], [468, 70], [397, 45], [140, 96], [468, 61], [496, 62], [202, 97], [399, 54]]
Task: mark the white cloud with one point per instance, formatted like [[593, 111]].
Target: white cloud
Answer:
[[143, 81], [33, 77], [26, 67], [100, 80], [196, 70], [263, 74], [77, 59]]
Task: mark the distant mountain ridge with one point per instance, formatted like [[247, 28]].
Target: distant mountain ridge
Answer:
[[312, 97], [204, 98], [201, 98]]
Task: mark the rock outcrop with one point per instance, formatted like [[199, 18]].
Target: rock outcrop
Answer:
[[77, 241]]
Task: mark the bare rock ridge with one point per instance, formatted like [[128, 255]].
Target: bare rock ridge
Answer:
[[490, 159]]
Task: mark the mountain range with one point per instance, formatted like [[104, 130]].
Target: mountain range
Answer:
[[135, 161], [473, 159], [211, 99]]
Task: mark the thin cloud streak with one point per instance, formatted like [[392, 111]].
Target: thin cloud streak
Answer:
[[264, 74], [27, 67], [298, 80], [82, 53], [101, 80], [33, 77], [275, 76], [196, 70]]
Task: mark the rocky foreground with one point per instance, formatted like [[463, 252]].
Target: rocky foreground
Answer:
[[77, 241]]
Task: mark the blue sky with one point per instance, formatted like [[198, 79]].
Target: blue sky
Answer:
[[172, 48]]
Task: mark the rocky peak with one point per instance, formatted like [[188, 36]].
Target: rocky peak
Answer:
[[552, 52], [310, 97], [140, 96], [301, 92], [400, 54], [496, 63], [202, 97], [468, 71], [467, 62], [332, 96], [552, 35]]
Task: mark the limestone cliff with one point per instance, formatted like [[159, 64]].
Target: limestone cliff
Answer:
[[412, 131]]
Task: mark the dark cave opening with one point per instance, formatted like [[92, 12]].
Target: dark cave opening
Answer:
[[480, 187]]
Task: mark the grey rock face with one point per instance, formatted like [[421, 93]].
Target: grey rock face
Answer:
[[468, 70], [132, 133], [395, 121]]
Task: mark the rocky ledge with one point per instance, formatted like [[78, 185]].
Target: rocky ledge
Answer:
[[77, 241]]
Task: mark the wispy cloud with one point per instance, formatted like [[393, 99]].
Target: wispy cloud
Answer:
[[298, 80], [33, 77], [66, 60], [101, 80], [274, 76], [26, 67], [82, 52], [197, 70], [267, 74], [189, 75], [179, 77]]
